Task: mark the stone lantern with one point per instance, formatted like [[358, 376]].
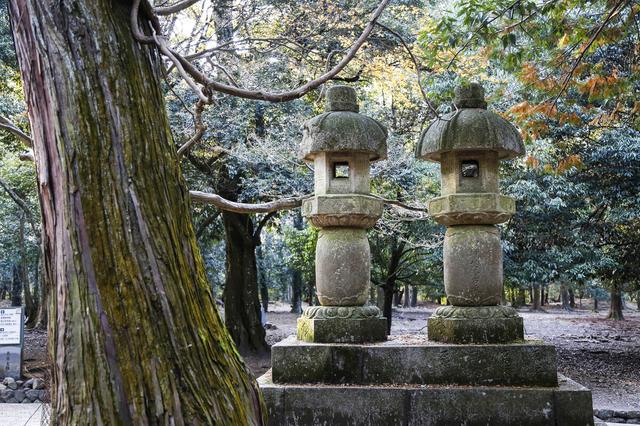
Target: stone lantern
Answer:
[[342, 143], [469, 143]]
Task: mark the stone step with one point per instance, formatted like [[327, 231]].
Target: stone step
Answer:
[[414, 360], [568, 404]]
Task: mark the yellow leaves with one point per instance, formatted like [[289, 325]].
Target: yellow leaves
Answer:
[[563, 42]]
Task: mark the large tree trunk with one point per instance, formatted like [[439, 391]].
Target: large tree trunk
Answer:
[[241, 301], [615, 309], [134, 332]]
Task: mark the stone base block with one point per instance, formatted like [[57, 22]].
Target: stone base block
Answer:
[[484, 324], [414, 360], [342, 324], [568, 404]]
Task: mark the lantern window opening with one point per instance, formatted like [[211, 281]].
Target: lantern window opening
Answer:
[[341, 170], [470, 169]]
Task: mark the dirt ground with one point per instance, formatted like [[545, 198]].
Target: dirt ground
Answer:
[[602, 355]]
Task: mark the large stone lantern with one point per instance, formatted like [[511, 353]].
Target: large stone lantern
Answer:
[[341, 143], [469, 143]]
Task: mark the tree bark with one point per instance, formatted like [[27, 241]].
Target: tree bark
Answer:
[[241, 301], [542, 295], [134, 333], [615, 308]]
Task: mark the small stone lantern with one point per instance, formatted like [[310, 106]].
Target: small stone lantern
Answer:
[[341, 143], [468, 143]]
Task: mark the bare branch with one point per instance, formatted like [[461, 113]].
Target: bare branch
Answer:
[[209, 84], [174, 8]]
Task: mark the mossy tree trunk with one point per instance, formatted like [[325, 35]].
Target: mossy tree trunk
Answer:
[[134, 333]]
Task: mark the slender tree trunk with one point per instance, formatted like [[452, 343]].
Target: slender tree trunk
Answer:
[[296, 274], [387, 309], [16, 287], [407, 295], [262, 281], [134, 332], [615, 309], [564, 295], [31, 303], [241, 301], [572, 298], [595, 304], [414, 296], [535, 299], [542, 295]]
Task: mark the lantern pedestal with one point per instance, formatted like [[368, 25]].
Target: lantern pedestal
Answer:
[[342, 324], [475, 324]]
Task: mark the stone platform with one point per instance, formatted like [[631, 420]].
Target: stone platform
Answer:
[[409, 380], [414, 360], [568, 404]]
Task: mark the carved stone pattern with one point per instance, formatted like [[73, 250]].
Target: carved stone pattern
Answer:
[[475, 312], [345, 221], [488, 218], [343, 312]]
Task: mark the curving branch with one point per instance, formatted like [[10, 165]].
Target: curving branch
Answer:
[[9, 126], [233, 206], [188, 71], [274, 206], [174, 8]]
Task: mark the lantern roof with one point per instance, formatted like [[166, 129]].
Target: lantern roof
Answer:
[[342, 129], [470, 128]]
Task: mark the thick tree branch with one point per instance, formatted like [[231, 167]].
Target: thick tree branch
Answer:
[[233, 206]]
